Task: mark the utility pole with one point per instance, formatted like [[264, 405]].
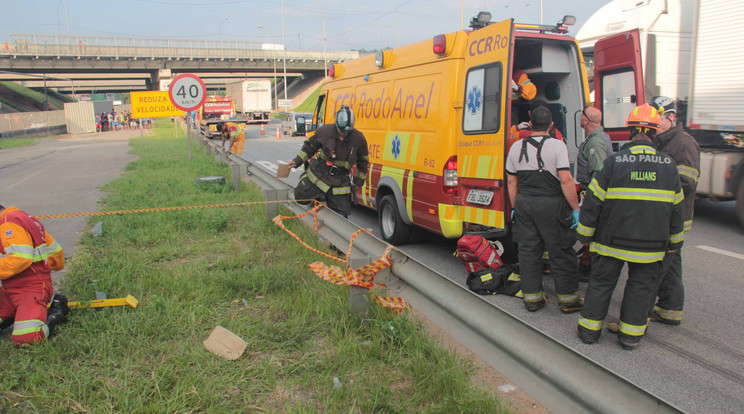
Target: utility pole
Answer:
[[325, 56], [284, 41], [67, 6]]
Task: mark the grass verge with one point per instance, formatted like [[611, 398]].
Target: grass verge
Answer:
[[17, 142], [193, 270]]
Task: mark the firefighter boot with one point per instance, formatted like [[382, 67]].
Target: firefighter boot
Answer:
[[572, 307], [5, 324], [57, 312]]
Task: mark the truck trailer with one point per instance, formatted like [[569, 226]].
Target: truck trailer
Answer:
[[686, 50], [252, 99]]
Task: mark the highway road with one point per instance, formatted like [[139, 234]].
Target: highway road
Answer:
[[698, 366]]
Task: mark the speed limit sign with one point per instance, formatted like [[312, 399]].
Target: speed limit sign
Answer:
[[187, 92]]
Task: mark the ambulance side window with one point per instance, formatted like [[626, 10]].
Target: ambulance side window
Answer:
[[482, 107], [319, 110]]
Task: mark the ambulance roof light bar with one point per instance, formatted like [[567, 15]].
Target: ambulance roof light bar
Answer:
[[560, 27], [483, 19]]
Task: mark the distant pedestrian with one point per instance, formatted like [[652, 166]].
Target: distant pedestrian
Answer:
[[631, 214]]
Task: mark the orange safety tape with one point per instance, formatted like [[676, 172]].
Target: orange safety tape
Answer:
[[149, 210], [278, 221], [398, 305]]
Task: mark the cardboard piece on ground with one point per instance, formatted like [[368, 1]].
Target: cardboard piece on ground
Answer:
[[283, 171], [225, 343]]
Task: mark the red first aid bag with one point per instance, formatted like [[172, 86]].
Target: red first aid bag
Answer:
[[478, 253]]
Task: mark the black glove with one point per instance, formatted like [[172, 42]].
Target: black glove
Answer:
[[358, 182]]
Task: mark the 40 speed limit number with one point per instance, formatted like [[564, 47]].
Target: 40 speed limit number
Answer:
[[187, 92]]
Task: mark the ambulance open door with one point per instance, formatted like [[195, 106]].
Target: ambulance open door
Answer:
[[481, 150], [618, 80]]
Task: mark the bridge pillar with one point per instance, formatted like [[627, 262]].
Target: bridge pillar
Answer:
[[154, 83]]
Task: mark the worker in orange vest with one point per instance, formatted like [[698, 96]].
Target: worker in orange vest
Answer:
[[234, 134], [28, 254]]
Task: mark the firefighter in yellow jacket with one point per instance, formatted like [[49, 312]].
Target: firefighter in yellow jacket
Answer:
[[330, 154], [28, 254]]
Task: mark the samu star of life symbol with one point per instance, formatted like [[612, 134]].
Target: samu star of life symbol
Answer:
[[396, 147], [474, 100]]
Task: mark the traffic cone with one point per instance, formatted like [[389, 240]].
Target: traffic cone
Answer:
[[262, 130], [277, 133]]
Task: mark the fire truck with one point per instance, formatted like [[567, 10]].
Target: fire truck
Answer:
[[437, 116]]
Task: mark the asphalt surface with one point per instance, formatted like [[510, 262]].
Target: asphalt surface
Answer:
[[698, 367], [63, 175]]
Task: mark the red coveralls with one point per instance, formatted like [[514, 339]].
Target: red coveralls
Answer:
[[27, 255]]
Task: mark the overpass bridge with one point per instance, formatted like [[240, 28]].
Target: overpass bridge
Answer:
[[119, 64]]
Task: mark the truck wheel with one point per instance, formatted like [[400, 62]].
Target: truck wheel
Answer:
[[394, 230], [740, 201]]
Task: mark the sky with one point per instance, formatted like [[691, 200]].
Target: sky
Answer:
[[349, 25]]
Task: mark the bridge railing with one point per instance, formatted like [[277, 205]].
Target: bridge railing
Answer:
[[122, 47]]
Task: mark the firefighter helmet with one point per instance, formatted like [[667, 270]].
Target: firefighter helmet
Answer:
[[644, 116], [663, 104], [345, 119]]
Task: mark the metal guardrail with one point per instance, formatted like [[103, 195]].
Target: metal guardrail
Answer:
[[127, 47], [560, 379]]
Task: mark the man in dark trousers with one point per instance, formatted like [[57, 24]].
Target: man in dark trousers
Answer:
[[543, 195], [331, 153], [632, 213], [685, 151]]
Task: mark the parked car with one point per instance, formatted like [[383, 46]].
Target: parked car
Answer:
[[297, 123]]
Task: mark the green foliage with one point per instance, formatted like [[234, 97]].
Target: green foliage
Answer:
[[195, 269], [17, 142], [309, 104]]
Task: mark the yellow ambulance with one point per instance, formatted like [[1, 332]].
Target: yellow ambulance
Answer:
[[437, 116]]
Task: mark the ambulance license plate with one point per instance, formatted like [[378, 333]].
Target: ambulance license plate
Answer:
[[480, 197]]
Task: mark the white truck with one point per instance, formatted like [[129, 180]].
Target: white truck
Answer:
[[252, 99], [684, 49]]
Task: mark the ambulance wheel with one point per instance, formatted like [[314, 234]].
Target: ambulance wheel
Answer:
[[394, 230], [740, 201]]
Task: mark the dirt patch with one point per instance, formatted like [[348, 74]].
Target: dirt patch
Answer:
[[485, 376]]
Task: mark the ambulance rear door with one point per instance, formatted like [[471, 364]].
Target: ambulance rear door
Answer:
[[481, 151], [618, 80]]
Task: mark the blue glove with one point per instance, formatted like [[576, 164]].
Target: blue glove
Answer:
[[512, 215], [575, 219]]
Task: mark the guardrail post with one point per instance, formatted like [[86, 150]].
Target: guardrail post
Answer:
[[235, 168], [359, 297], [271, 196], [208, 149]]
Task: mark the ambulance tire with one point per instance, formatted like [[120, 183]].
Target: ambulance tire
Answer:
[[740, 201], [392, 227]]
